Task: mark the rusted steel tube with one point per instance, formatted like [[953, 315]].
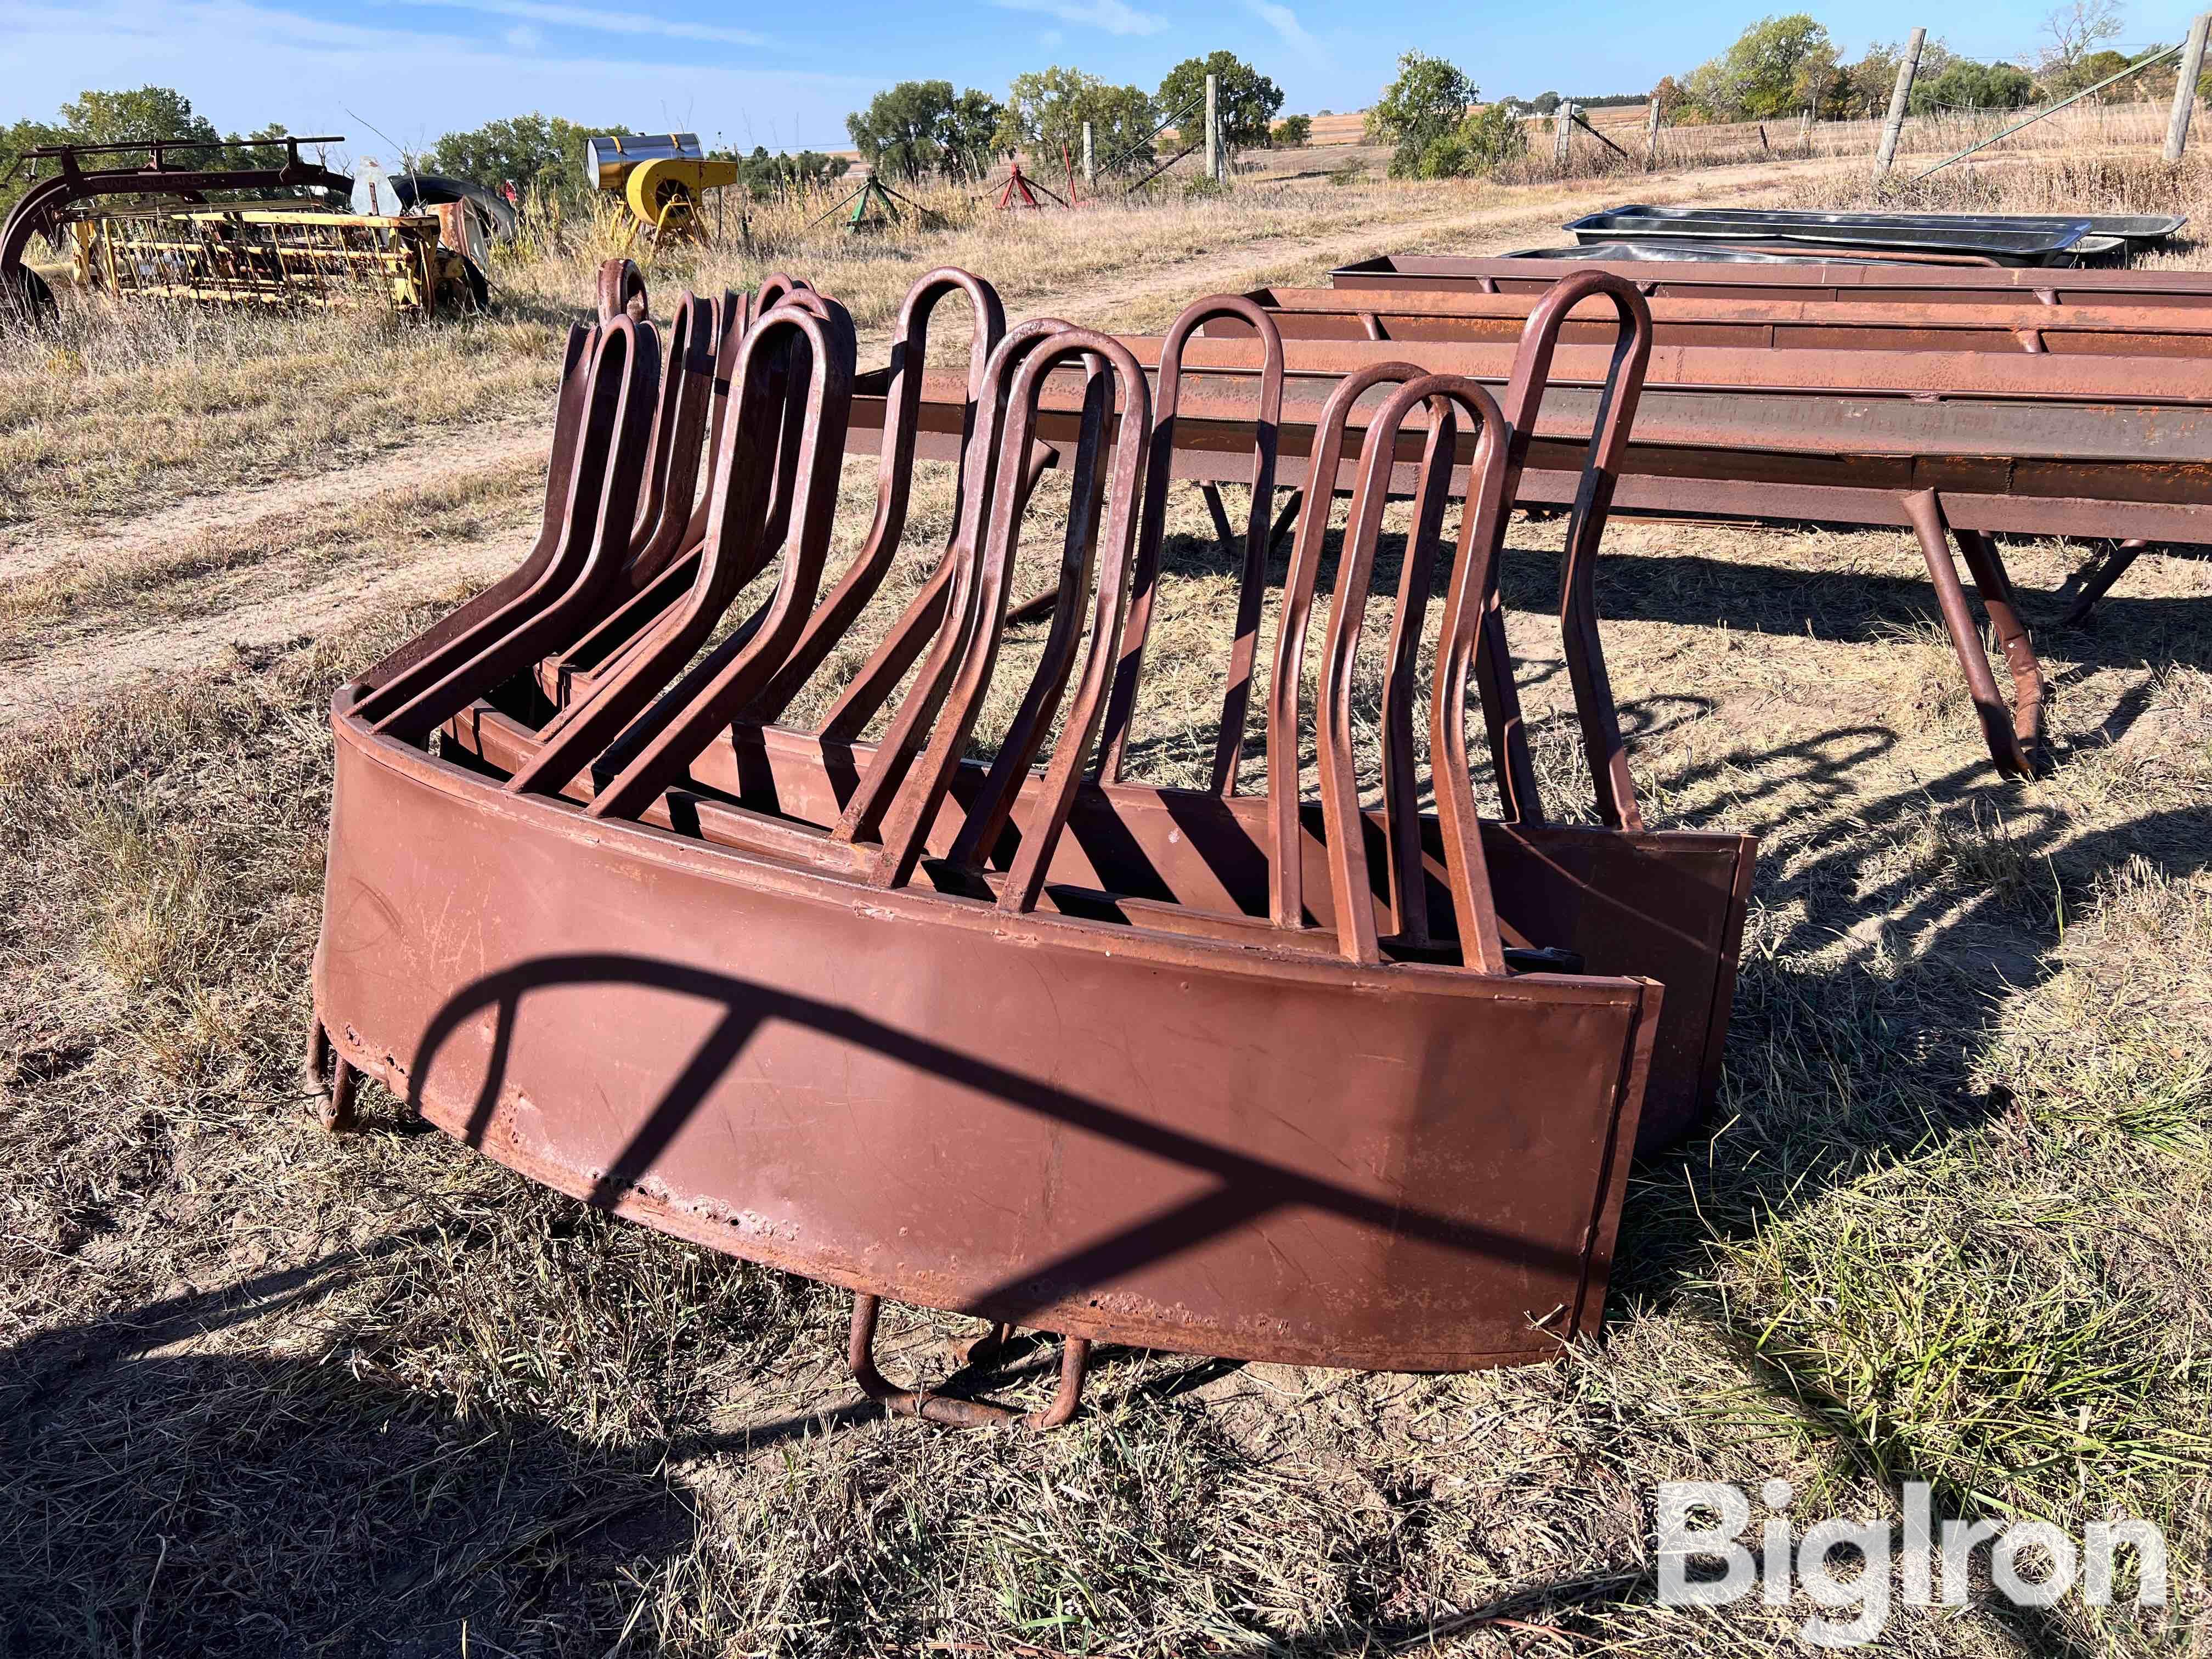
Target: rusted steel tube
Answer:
[[1229, 741], [2109, 569], [895, 475], [1619, 400], [1855, 282], [607, 720], [1784, 324], [2006, 733], [1075, 1355], [601, 505], [621, 291]]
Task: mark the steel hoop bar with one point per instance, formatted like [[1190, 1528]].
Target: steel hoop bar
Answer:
[[1120, 709]]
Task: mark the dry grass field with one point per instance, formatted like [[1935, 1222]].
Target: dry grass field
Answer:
[[267, 1391]]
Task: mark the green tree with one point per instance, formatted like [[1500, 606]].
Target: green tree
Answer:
[[543, 151], [1427, 104], [767, 174], [1757, 77], [1865, 84], [1492, 134], [971, 134], [2086, 72], [121, 117], [1046, 109], [1818, 84], [1965, 84], [1292, 132], [918, 128], [108, 117], [1246, 99]]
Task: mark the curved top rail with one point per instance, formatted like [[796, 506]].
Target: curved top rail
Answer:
[[602, 502], [978, 619], [1287, 872], [920, 626], [1229, 740], [672, 461], [608, 714], [621, 291], [1622, 387], [940, 619], [602, 650], [662, 743], [1356, 937], [559, 476], [893, 470]]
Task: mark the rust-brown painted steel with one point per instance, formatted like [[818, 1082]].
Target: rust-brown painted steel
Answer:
[[1857, 282], [688, 971], [1781, 323], [2022, 443], [1682, 925]]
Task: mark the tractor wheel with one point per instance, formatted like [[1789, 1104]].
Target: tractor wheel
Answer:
[[24, 294]]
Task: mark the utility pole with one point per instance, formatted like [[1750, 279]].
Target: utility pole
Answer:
[[1892, 128], [1563, 123], [1651, 136], [2185, 89], [1089, 166], [1213, 128]]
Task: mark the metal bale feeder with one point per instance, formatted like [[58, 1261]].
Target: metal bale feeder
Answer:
[[1244, 1075]]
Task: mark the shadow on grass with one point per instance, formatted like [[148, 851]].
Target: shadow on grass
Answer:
[[162, 1495], [143, 1465]]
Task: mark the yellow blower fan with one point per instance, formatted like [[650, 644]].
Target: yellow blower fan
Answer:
[[660, 177]]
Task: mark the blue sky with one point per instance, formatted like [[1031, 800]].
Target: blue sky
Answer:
[[774, 76]]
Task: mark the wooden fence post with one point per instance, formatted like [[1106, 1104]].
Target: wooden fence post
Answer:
[[2185, 88], [1213, 128], [1892, 128], [1563, 123], [1651, 136], [1089, 164]]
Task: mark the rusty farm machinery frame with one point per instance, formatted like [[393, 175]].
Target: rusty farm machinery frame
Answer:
[[1412, 279], [171, 242], [789, 990], [1856, 421]]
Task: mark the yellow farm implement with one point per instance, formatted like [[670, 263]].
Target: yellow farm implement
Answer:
[[274, 253], [661, 177], [171, 242]]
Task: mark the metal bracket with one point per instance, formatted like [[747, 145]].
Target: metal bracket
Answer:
[[1074, 1360], [334, 1098]]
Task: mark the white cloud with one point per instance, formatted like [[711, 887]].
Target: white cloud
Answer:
[[1115, 16], [1285, 23], [523, 38], [592, 17], [244, 64]]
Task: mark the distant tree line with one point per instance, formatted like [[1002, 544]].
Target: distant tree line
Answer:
[[1784, 65], [921, 129], [126, 117]]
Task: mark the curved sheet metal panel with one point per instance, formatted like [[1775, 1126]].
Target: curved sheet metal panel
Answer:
[[1190, 1144]]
